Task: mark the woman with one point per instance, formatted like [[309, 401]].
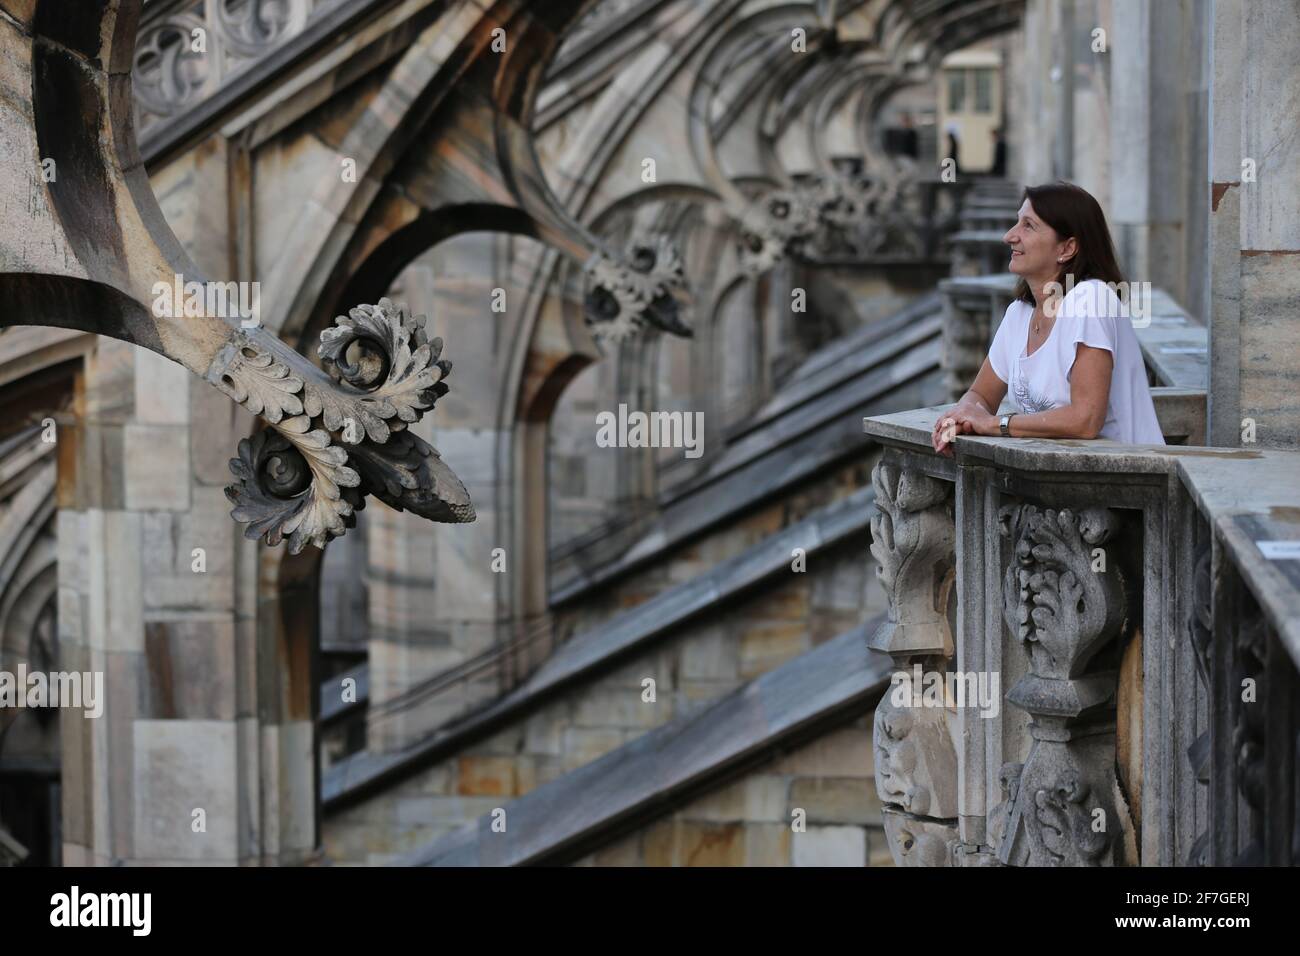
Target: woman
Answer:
[[1066, 346]]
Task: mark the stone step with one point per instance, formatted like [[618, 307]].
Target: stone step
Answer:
[[643, 779]]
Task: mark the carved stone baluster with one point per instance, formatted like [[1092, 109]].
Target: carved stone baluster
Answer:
[[1250, 683], [915, 758], [1199, 632], [1063, 806]]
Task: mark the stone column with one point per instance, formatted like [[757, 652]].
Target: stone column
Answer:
[[195, 758], [915, 758], [1254, 224], [1158, 136], [205, 751]]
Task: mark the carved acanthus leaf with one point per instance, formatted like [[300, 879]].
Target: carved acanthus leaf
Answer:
[[292, 482], [395, 373], [252, 377], [297, 481], [912, 541], [1053, 599], [775, 224], [640, 289], [1061, 831]]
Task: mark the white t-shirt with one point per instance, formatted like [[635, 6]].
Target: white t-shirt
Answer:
[[1093, 314]]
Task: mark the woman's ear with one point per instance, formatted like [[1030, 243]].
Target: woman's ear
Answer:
[[1069, 249]]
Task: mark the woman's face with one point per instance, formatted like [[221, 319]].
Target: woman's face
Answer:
[[1035, 246]]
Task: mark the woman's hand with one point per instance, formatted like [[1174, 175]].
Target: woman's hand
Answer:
[[976, 421], [948, 426]]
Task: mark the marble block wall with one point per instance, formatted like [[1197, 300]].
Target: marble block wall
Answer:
[[193, 759], [204, 753], [1254, 225], [751, 821]]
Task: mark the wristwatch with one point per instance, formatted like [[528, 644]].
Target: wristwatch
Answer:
[[1004, 424]]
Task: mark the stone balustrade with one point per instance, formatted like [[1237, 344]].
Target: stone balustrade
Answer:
[[187, 51], [1095, 648]]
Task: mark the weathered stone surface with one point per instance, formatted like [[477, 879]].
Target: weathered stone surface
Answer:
[[182, 766], [191, 668], [835, 800], [830, 846], [167, 547], [918, 841], [156, 459]]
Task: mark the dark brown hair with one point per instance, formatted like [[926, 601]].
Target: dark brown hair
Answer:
[[1071, 211]]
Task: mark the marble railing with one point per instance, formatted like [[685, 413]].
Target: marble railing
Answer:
[[1095, 648], [188, 50]]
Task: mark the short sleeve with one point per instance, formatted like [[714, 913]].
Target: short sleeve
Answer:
[[999, 349], [1093, 313]]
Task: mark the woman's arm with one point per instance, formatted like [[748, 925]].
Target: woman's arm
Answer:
[[1082, 418], [983, 397]]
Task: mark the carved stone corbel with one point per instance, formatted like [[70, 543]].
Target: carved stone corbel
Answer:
[[862, 218], [1065, 604], [774, 225], [335, 441], [639, 290], [915, 757], [107, 264]]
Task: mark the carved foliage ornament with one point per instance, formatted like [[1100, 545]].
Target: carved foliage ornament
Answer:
[[1062, 822], [1053, 599], [638, 291], [876, 214], [774, 224], [912, 541], [331, 446]]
